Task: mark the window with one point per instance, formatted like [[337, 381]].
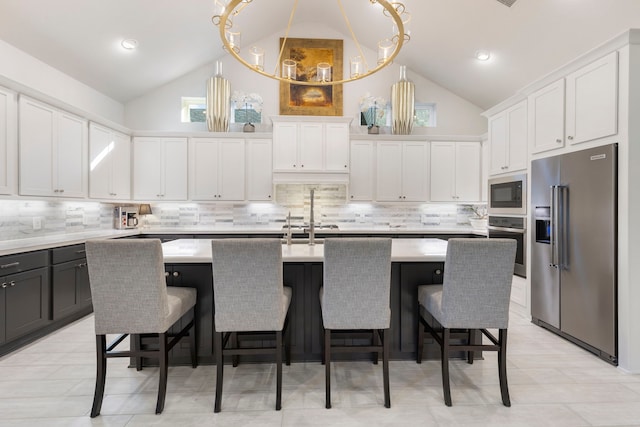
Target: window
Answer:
[[194, 109], [425, 115]]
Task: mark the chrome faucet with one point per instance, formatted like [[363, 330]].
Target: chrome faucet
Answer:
[[312, 226]]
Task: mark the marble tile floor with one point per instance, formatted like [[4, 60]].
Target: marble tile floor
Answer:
[[552, 383]]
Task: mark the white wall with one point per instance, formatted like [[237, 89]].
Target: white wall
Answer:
[[160, 109], [26, 74]]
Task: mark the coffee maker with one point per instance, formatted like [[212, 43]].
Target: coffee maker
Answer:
[[125, 217]]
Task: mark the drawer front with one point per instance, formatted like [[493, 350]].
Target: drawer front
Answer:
[[67, 253], [10, 264]]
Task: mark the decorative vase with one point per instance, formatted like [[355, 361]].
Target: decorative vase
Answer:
[[218, 95], [402, 104]]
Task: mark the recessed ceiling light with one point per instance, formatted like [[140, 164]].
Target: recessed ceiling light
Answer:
[[129, 44], [483, 55]]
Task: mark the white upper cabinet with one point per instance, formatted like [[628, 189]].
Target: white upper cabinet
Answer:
[[109, 164], [455, 171], [8, 141], [508, 140], [362, 170], [306, 146], [581, 107], [259, 170], [401, 173], [53, 151], [592, 101], [159, 168], [546, 118], [216, 169]]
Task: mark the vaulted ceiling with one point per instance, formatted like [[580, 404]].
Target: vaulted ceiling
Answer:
[[527, 40]]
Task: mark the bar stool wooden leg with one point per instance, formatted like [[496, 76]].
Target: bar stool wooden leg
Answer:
[[385, 366], [219, 369], [420, 340], [163, 357], [327, 367], [278, 370], [502, 367], [444, 350], [101, 372]]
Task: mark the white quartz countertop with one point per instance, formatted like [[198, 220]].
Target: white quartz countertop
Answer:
[[185, 251], [9, 247]]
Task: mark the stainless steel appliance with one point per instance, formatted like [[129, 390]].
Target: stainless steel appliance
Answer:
[[507, 227], [125, 217], [574, 247], [508, 195]]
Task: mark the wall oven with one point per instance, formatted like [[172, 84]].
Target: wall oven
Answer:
[[508, 227], [508, 195]]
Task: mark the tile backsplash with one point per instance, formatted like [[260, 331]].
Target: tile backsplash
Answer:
[[24, 219]]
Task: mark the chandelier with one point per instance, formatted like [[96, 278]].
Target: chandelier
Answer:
[[285, 69]]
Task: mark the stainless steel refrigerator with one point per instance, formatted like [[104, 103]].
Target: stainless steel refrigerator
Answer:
[[574, 247]]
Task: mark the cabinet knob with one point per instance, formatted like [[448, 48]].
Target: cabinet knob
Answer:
[[269, 196], [294, 166], [558, 140], [345, 166], [438, 271], [4, 285], [301, 166], [166, 274], [404, 197], [12, 283], [399, 197], [176, 274], [352, 196], [62, 190], [570, 138]]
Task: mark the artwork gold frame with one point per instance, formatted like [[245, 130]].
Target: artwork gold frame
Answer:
[[321, 100]]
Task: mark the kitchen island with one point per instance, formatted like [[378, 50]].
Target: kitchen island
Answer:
[[414, 262]]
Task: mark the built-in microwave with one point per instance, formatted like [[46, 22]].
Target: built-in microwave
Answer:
[[508, 195]]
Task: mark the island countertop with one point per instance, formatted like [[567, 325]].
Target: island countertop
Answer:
[[188, 251]]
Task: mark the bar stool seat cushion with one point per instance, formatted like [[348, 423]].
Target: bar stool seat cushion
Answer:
[[430, 297], [179, 300]]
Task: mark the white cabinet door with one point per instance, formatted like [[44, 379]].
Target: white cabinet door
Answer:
[[389, 171], [499, 143], [109, 164], [231, 169], [508, 138], [517, 136], [53, 151], [38, 129], [70, 164], [361, 175], [285, 146], [455, 171], [310, 146], [259, 170], [443, 171], [175, 169], [415, 169], [468, 171], [592, 100], [337, 147], [203, 169], [121, 166], [159, 168], [8, 141], [546, 118]]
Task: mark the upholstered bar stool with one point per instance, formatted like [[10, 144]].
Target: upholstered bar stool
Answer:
[[474, 295], [355, 297], [249, 296], [130, 296]]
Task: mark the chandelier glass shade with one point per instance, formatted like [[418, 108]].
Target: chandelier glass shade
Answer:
[[285, 70]]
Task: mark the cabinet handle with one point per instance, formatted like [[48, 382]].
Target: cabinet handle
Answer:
[[558, 141], [176, 274], [11, 264], [62, 190], [570, 138]]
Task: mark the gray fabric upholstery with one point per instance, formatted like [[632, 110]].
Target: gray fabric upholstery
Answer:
[[129, 289], [248, 285], [477, 285], [356, 283]]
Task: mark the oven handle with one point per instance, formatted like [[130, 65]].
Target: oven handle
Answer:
[[510, 230]]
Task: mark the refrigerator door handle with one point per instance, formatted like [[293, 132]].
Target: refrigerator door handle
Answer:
[[553, 229]]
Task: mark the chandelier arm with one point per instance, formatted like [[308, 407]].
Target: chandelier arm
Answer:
[[286, 36], [384, 3], [353, 35]]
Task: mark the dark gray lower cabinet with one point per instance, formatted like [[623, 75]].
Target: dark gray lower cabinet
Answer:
[[305, 316], [70, 281], [24, 296]]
